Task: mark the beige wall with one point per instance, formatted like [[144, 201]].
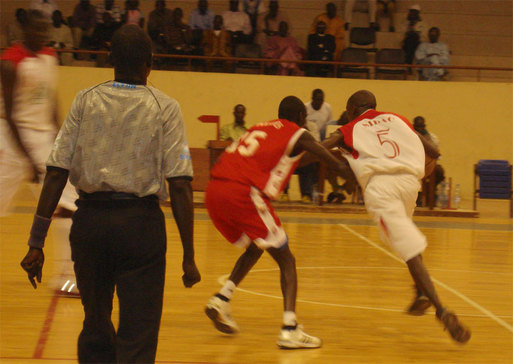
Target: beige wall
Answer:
[[472, 120]]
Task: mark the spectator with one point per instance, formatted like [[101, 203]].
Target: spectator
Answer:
[[419, 124], [318, 112], [433, 53], [237, 23], [321, 47], [387, 8], [284, 47], [268, 22], [132, 14], [201, 18], [102, 36], [337, 195], [216, 43], [236, 129], [60, 37], [47, 7], [414, 31], [253, 8], [84, 20], [157, 24], [178, 36], [15, 30], [334, 26], [108, 6], [348, 12]]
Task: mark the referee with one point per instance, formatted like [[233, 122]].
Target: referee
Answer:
[[119, 144]]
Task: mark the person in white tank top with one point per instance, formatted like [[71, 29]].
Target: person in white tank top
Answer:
[[387, 156]]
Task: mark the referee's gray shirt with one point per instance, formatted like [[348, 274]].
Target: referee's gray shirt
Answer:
[[124, 138]]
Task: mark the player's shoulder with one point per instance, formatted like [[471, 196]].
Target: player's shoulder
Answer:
[[163, 100]]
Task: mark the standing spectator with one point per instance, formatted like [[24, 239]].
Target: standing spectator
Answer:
[[321, 47], [318, 111], [237, 23], [108, 6], [28, 122], [248, 175], [268, 23], [15, 29], [60, 37], [132, 14], [348, 13], [84, 20], [253, 8], [118, 235], [414, 30], [158, 22], [201, 18], [236, 129], [334, 26], [284, 47], [389, 173], [387, 8], [47, 7], [432, 53], [216, 43]]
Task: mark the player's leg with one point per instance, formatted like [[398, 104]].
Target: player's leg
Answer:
[[291, 335]]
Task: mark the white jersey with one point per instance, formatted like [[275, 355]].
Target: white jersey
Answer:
[[383, 143], [35, 88]]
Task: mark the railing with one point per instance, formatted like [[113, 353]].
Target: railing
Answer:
[[263, 62]]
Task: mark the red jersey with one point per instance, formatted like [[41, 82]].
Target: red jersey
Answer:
[[261, 157]]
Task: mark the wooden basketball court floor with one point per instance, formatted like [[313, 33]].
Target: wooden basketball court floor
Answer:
[[352, 293]]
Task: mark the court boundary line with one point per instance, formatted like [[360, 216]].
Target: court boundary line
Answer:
[[47, 326], [486, 312]]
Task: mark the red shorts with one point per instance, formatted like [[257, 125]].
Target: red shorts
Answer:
[[243, 214]]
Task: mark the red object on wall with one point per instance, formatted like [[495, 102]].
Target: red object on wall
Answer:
[[211, 119]]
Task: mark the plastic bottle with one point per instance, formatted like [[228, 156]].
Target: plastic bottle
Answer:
[[443, 197], [456, 197]]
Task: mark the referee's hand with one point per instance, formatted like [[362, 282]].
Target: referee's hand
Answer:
[[33, 265], [191, 274]]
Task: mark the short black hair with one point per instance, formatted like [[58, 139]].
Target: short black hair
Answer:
[[130, 49], [34, 15], [317, 91], [290, 107]]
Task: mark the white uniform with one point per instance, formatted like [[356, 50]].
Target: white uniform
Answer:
[[33, 107], [388, 158]]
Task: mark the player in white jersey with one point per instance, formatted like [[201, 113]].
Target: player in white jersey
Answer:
[[387, 156]]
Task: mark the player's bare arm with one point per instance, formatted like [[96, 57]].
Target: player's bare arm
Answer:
[[180, 191], [429, 148], [8, 77], [54, 183]]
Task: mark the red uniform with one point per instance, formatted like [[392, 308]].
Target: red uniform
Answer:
[[249, 173]]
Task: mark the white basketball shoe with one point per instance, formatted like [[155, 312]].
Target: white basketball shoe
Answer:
[[297, 338], [219, 312]]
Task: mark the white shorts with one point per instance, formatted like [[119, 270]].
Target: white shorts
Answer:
[[391, 200]]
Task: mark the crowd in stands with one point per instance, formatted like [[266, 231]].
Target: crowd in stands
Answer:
[[248, 28]]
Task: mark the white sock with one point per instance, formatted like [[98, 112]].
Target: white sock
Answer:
[[228, 289], [289, 318]]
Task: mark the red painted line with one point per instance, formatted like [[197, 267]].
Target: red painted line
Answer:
[[45, 330], [74, 359]]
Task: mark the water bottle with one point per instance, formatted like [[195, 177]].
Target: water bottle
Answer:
[[315, 195], [443, 195], [456, 197]]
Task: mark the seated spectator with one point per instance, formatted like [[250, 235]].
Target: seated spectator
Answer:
[[60, 37], [216, 43], [321, 47], [236, 129], [108, 6], [414, 30], [419, 124], [178, 36], [201, 18], [158, 21], [237, 23], [253, 8], [334, 26], [84, 20], [348, 12], [268, 22], [284, 47], [47, 7], [386, 8], [102, 36], [15, 29], [132, 14], [433, 53]]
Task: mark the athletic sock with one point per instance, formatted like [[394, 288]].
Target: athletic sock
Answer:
[[289, 320], [227, 290]]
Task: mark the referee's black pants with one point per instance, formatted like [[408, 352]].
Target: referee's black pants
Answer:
[[119, 244]]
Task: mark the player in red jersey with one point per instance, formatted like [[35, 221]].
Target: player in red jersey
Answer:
[[250, 173], [387, 156]]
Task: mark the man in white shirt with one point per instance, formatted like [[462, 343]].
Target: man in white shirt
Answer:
[[237, 23], [433, 53], [318, 112]]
